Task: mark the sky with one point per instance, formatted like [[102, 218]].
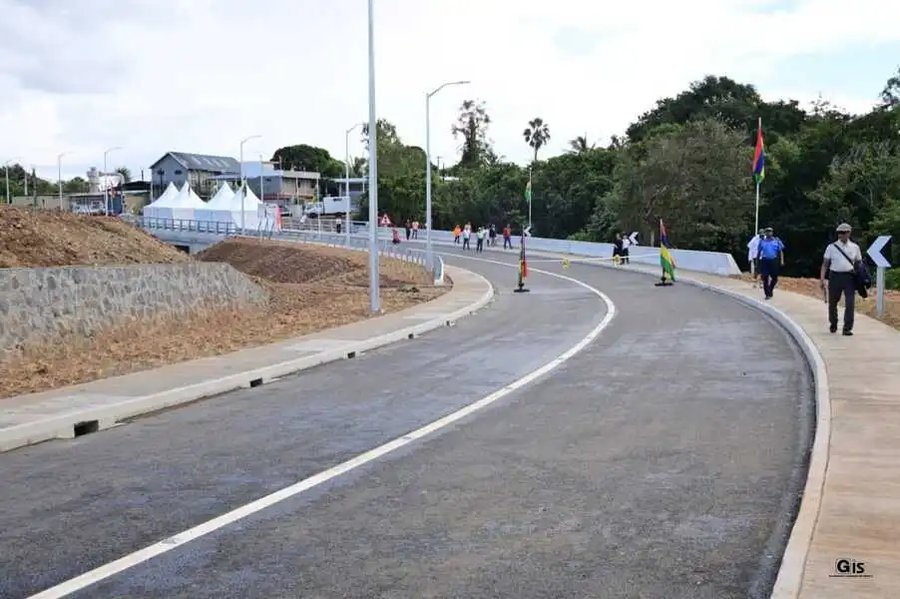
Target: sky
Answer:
[[199, 75]]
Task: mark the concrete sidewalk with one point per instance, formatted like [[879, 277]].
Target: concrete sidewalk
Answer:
[[851, 505], [66, 412]]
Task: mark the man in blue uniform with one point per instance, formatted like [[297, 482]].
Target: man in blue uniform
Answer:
[[771, 258]]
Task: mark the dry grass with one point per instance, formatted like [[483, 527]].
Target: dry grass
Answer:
[[320, 288], [810, 287], [36, 238]]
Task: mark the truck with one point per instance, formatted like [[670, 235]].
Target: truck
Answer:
[[329, 206]]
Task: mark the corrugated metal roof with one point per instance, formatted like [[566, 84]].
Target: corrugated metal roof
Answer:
[[205, 162]]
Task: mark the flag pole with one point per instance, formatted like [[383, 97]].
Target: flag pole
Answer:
[[759, 128], [530, 199]]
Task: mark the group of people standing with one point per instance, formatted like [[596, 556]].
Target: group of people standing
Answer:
[[465, 233], [838, 276], [621, 247]]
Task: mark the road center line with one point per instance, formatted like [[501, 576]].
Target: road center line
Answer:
[[147, 553]]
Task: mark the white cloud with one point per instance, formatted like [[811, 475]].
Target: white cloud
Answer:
[[197, 75]]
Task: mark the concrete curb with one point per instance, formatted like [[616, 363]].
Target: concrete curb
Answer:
[[62, 426], [793, 563]]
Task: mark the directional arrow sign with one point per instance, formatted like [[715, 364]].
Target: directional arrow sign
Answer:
[[527, 231], [633, 238], [880, 250]]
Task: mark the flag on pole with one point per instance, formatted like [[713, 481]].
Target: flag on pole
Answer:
[[665, 256], [528, 191], [759, 157]]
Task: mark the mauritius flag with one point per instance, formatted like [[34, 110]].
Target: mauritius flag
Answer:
[[665, 256], [759, 157]]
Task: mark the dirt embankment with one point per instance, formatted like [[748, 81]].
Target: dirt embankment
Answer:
[[310, 289], [40, 238], [810, 287]]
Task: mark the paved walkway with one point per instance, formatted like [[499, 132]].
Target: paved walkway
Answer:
[[36, 417], [851, 509]]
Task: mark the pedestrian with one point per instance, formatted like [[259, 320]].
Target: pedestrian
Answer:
[[415, 229], [839, 266], [507, 236], [457, 231], [771, 259], [396, 236], [466, 234], [752, 253], [479, 247], [408, 228], [617, 249], [337, 225], [492, 234], [626, 243]]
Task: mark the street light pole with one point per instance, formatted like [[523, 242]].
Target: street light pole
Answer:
[[59, 176], [374, 299], [244, 191], [347, 177], [106, 174], [429, 257]]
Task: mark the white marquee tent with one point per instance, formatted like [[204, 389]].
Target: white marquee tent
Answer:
[[218, 209], [247, 201], [186, 204], [160, 207]]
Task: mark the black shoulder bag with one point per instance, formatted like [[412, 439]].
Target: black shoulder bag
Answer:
[[861, 277]]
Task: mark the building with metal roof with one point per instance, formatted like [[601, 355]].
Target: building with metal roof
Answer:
[[196, 169]]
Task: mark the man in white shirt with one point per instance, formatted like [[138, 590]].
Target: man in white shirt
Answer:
[[840, 260], [753, 253]]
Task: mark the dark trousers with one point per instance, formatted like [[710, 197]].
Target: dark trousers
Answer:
[[338, 228], [415, 233], [841, 283], [408, 231], [768, 269], [625, 255], [479, 247], [465, 243], [507, 242]]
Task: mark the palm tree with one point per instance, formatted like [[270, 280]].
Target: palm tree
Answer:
[[125, 172], [579, 145], [537, 134]]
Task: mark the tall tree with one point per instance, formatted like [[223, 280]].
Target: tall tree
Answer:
[[580, 145], [125, 172], [890, 95], [536, 135], [472, 124]]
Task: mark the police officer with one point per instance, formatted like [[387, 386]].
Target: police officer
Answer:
[[771, 258], [839, 264]]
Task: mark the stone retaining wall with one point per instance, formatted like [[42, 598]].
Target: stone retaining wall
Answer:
[[44, 302]]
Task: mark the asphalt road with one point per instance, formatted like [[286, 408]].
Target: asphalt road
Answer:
[[665, 460]]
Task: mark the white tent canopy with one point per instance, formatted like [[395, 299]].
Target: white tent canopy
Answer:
[[245, 200], [159, 208], [185, 205], [218, 209]]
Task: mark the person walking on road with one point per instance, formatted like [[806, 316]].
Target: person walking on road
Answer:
[[337, 225], [839, 267], [507, 236], [617, 249], [479, 246], [457, 231], [415, 229], [753, 253], [408, 228], [626, 243], [395, 236], [466, 234], [492, 235], [771, 259]]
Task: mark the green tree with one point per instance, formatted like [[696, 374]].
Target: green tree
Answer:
[[309, 158], [579, 145], [125, 172], [536, 135], [472, 124]]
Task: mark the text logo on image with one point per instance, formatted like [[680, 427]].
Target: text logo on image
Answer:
[[849, 568]]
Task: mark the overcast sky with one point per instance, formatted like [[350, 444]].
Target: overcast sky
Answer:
[[197, 75]]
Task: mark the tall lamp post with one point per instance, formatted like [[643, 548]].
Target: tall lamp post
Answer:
[[6, 165], [243, 191], [347, 176], [106, 174], [374, 299], [59, 158], [429, 258]]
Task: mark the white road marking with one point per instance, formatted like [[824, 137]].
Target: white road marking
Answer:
[[124, 563]]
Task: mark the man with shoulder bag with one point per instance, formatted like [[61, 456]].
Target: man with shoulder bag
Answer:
[[842, 267]]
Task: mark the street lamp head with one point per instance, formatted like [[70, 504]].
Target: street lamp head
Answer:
[[246, 139]]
